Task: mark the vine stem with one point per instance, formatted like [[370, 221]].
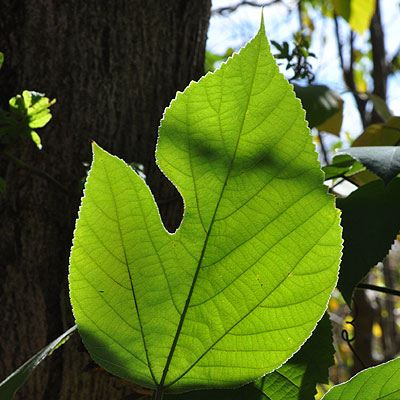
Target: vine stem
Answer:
[[36, 171]]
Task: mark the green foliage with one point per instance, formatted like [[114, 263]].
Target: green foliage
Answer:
[[242, 283], [27, 112], [358, 13], [233, 294], [342, 165], [212, 59], [1, 59], [380, 107], [381, 382], [324, 107], [387, 134], [371, 221], [13, 382], [294, 380], [383, 161], [298, 58]]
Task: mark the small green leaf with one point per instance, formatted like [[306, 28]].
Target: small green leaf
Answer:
[[371, 221], [383, 161], [237, 289], [342, 165], [36, 139], [27, 112], [1, 59], [13, 382], [380, 382], [324, 107]]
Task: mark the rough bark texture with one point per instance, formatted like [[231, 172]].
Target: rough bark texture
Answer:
[[113, 67]]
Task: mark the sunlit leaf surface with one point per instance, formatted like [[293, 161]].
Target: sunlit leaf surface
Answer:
[[242, 283], [381, 382]]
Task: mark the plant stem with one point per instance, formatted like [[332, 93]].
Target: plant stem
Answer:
[[323, 150], [36, 171]]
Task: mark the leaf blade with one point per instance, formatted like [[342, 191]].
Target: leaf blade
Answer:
[[14, 381], [380, 382], [370, 218], [213, 289], [384, 161]]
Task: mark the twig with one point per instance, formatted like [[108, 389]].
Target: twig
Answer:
[[323, 150], [37, 172], [378, 289], [299, 11], [348, 71], [231, 9]]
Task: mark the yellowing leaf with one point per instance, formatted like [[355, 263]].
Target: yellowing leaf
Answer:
[[358, 13]]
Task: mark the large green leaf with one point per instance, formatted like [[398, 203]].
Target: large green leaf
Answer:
[[324, 107], [371, 221], [294, 380], [242, 283], [13, 382], [380, 382], [383, 161]]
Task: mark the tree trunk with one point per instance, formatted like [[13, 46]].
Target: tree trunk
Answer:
[[113, 67]]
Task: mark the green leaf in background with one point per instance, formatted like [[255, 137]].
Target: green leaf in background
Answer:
[[371, 221], [383, 161], [1, 59], [342, 165], [294, 380], [237, 289], [212, 59], [380, 382], [13, 382], [27, 112], [387, 134], [380, 107], [358, 13], [324, 107]]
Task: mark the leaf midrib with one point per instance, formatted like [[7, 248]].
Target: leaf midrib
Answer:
[[130, 277], [208, 232]]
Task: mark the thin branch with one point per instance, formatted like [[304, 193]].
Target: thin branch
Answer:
[[299, 7], [231, 9], [378, 289], [323, 149], [37, 172], [348, 71]]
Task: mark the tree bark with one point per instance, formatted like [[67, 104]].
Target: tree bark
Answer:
[[380, 69], [113, 67]]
